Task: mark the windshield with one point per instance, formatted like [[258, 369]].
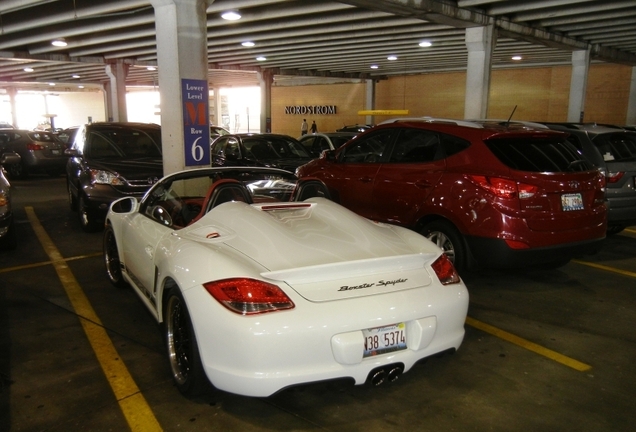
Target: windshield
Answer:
[[274, 148]]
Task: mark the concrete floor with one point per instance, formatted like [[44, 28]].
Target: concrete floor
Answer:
[[550, 350]]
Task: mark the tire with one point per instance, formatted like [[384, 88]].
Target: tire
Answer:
[[72, 201], [10, 240], [450, 240], [88, 221], [181, 346], [17, 171], [614, 229], [111, 259]]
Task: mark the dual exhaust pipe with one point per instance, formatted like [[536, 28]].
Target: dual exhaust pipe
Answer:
[[388, 373]]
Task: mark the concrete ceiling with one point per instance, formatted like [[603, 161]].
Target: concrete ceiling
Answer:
[[302, 38]]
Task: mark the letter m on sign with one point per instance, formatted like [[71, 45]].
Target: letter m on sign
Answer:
[[196, 114]]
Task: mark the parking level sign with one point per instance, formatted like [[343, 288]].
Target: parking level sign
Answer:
[[196, 128]]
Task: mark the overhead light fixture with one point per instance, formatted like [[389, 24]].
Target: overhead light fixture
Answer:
[[248, 44], [425, 44], [391, 57], [75, 76], [231, 15], [517, 57], [59, 42], [261, 58], [81, 86], [52, 84], [151, 68], [28, 69], [374, 66]]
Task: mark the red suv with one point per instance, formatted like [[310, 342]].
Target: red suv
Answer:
[[491, 193]]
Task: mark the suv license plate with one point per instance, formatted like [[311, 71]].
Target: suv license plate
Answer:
[[571, 202], [385, 339]]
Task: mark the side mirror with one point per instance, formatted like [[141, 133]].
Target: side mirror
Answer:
[[330, 155], [10, 158], [124, 205], [71, 152]]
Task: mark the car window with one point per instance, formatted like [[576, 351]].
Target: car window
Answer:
[[538, 154], [415, 145], [368, 148], [274, 148], [218, 145], [232, 149], [452, 145], [123, 142], [617, 147]]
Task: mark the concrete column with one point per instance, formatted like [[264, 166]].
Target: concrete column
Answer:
[[480, 42], [116, 97], [266, 79], [578, 85], [370, 101], [181, 27], [12, 91], [631, 103]]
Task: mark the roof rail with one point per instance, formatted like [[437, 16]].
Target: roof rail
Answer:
[[466, 123]]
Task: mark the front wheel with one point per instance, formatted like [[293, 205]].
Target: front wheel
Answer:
[[449, 240], [182, 349], [87, 220], [17, 171], [111, 259]]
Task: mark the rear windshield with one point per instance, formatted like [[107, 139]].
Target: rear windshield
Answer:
[[619, 146], [538, 154]]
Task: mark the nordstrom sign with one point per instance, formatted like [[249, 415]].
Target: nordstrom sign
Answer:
[[310, 109]]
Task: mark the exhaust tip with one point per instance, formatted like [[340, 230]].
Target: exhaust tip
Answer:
[[378, 377], [394, 373]]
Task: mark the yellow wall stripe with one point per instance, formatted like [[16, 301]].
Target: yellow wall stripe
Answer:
[[553, 355], [132, 403]]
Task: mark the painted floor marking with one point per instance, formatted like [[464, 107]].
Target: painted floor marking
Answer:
[[136, 410], [531, 346], [45, 263], [606, 268]]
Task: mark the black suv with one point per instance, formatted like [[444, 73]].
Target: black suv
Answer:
[[110, 161], [612, 150]]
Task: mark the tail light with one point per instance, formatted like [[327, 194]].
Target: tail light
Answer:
[[445, 270], [505, 188], [249, 296], [33, 146], [614, 177]]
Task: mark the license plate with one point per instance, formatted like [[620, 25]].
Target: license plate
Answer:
[[55, 152], [381, 340], [571, 202]]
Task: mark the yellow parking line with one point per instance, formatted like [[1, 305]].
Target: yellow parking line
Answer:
[[606, 268], [132, 403], [45, 263], [531, 346], [630, 230]]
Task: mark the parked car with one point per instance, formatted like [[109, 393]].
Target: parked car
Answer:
[[39, 151], [259, 149], [252, 273], [5, 125], [355, 128], [217, 131], [8, 237], [611, 149], [109, 161], [490, 194], [67, 136], [316, 143]]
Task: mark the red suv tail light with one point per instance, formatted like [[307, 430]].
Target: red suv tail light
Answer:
[[445, 270], [248, 296], [33, 146], [504, 188]]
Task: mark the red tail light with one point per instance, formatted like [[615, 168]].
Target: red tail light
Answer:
[[505, 188], [445, 270], [248, 296], [33, 146], [613, 177]]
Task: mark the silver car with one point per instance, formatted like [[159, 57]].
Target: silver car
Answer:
[[40, 151]]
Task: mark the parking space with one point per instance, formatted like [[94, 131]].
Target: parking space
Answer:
[[544, 349]]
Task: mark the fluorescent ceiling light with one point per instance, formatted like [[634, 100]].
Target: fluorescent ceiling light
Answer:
[[231, 15], [59, 42], [28, 69], [261, 58], [425, 44], [248, 44], [517, 57], [391, 57], [373, 66]]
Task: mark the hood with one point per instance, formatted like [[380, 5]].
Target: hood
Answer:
[[131, 169], [310, 245]]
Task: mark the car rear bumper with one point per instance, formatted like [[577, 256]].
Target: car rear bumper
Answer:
[[622, 211], [492, 252]]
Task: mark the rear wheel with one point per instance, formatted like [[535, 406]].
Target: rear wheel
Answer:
[[87, 220], [17, 171], [450, 240], [182, 349], [111, 259]]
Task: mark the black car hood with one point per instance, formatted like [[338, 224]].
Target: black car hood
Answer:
[[131, 169]]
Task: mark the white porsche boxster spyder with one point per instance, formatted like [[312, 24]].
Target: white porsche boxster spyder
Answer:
[[261, 282]]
